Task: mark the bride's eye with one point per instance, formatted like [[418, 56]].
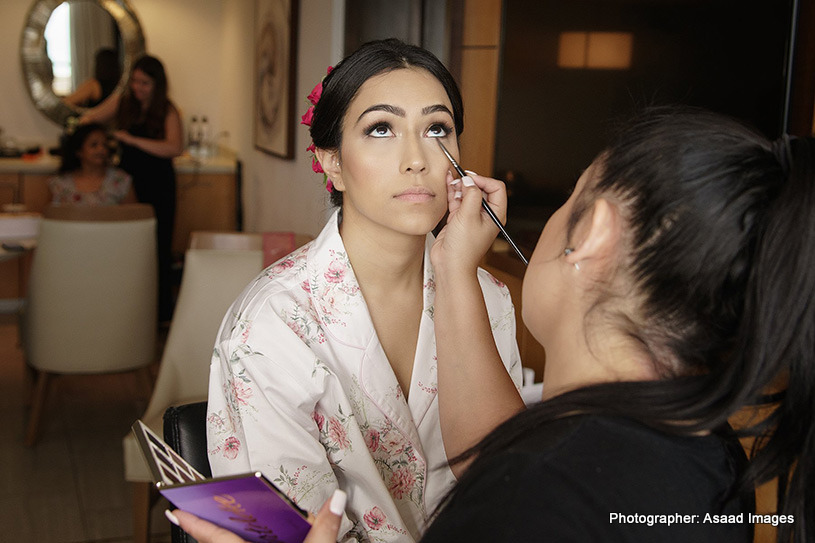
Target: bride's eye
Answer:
[[379, 130], [439, 130]]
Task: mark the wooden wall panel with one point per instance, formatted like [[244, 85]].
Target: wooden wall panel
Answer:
[[479, 78], [479, 58], [482, 23]]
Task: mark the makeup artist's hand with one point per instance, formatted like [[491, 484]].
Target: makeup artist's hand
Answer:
[[124, 136], [324, 529], [469, 231]]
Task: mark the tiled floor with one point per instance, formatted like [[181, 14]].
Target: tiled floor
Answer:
[[70, 487]]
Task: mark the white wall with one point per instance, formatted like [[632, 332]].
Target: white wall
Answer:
[[206, 47]]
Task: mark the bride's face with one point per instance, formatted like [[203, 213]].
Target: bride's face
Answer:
[[390, 167]]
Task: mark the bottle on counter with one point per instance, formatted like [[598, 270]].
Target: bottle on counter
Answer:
[[194, 137], [204, 139]]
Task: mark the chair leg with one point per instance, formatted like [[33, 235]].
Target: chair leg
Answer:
[[145, 496], [30, 380], [37, 405]]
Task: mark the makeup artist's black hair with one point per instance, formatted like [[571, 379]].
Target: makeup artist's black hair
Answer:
[[721, 250], [107, 70], [73, 143], [371, 59]]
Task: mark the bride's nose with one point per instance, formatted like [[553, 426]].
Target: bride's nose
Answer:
[[414, 157]]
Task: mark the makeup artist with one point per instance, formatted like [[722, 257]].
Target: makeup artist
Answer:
[[324, 372], [148, 127], [679, 271]]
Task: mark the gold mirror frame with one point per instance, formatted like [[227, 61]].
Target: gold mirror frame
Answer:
[[33, 55]]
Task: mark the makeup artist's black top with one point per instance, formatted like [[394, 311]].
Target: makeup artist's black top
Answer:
[[565, 482]]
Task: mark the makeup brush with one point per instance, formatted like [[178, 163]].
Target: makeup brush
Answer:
[[486, 206]]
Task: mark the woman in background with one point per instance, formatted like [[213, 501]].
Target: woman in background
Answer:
[[106, 74], [148, 126], [85, 176]]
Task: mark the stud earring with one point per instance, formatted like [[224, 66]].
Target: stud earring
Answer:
[[569, 251]]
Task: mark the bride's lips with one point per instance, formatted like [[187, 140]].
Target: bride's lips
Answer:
[[416, 194]]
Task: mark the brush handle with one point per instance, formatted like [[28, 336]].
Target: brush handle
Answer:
[[490, 212], [504, 233]]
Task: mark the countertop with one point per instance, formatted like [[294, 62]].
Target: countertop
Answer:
[[224, 162]]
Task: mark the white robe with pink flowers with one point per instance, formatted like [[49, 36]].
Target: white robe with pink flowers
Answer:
[[300, 389]]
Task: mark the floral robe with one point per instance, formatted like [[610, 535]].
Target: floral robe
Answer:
[[300, 389], [115, 187]]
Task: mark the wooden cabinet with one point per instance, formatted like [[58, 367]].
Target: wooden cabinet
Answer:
[[30, 189], [34, 191], [508, 269], [8, 188], [205, 201]]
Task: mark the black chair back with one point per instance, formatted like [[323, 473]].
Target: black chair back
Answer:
[[185, 430]]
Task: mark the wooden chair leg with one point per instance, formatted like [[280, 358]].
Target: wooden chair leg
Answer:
[[30, 381], [145, 496], [37, 405]]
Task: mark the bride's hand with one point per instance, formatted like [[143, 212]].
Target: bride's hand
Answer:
[[324, 529]]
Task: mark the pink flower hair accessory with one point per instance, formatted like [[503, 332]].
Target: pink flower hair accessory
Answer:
[[313, 98]]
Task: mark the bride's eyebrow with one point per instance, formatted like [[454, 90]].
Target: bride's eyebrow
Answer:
[[399, 112], [387, 108], [436, 107]]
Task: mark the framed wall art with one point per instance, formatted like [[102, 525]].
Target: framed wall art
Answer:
[[275, 76]]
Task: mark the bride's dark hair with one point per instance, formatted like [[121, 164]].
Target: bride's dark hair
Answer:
[[371, 59]]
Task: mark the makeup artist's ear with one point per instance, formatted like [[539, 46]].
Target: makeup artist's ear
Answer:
[[330, 161], [597, 236]]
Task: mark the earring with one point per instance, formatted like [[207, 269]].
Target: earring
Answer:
[[569, 251]]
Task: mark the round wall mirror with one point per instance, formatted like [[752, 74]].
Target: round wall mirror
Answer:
[[76, 52]]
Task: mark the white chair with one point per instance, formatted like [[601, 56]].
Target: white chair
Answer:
[[91, 304], [217, 267]]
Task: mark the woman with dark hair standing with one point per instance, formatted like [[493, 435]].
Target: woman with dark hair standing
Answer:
[[106, 74], [324, 371], [672, 290], [151, 135]]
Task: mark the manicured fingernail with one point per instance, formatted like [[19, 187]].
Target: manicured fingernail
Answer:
[[457, 195], [468, 181], [455, 181], [337, 505], [171, 517], [470, 172]]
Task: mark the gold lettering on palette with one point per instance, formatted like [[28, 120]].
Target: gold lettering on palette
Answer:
[[230, 504]]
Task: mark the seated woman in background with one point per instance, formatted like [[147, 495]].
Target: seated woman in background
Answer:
[[324, 371], [85, 175], [106, 75], [672, 290], [148, 126]]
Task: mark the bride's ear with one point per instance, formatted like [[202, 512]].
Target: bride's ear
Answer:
[[330, 161]]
